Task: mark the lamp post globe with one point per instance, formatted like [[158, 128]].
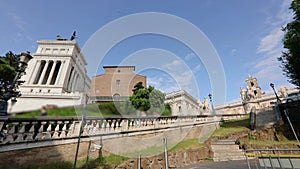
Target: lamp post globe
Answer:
[[210, 96], [212, 104], [277, 98]]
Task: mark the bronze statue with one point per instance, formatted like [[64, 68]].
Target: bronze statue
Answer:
[[73, 36]]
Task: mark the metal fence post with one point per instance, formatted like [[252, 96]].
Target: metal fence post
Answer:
[[166, 152]]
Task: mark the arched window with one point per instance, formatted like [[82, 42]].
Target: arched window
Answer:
[[116, 95]]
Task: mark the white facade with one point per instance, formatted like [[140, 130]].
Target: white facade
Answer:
[[183, 104], [55, 76]]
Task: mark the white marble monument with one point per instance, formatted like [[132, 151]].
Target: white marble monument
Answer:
[[55, 76]]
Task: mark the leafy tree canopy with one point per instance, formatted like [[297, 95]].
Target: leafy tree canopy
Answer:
[[147, 99], [290, 58], [8, 66]]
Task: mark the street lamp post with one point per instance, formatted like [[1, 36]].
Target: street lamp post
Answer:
[[9, 89], [272, 86], [212, 104]]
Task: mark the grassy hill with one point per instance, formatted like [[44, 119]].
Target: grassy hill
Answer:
[[101, 110]]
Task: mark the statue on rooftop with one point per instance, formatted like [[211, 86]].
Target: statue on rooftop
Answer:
[[73, 36], [206, 105], [60, 38], [243, 94]]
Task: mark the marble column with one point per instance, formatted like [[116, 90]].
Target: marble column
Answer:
[[34, 71], [72, 79], [44, 72]]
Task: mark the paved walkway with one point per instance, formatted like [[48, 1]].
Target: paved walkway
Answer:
[[237, 164]]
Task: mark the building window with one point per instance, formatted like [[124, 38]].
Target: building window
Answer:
[[47, 50], [119, 71], [63, 51], [55, 51], [118, 83], [116, 95]]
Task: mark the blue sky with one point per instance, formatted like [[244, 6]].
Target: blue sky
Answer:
[[246, 37]]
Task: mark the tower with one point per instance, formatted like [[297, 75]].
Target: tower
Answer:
[[55, 76], [252, 85]]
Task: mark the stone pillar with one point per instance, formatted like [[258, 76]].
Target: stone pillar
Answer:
[[75, 82], [64, 74], [33, 71], [72, 79], [51, 73], [60, 80]]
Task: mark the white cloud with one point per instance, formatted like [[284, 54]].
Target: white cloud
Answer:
[[163, 83], [17, 21], [271, 41], [197, 69], [269, 74], [182, 75], [189, 56], [172, 65], [267, 67], [267, 61]]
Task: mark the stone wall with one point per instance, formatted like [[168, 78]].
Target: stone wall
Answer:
[[118, 145], [43, 155], [175, 159]]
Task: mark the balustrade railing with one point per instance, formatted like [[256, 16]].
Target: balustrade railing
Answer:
[[18, 130]]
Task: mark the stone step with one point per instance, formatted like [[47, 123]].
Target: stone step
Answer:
[[228, 148], [222, 143], [225, 150], [229, 158], [229, 154], [225, 142]]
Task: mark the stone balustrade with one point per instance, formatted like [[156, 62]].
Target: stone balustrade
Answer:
[[25, 130]]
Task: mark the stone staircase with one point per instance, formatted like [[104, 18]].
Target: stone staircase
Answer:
[[225, 150]]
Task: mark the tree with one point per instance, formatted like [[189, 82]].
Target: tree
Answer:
[[140, 97], [290, 59], [8, 66], [147, 99], [156, 99], [7, 73], [137, 87]]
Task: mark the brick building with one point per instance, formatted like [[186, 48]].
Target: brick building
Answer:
[[115, 84]]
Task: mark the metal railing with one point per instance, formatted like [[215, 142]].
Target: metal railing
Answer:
[[273, 158]]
